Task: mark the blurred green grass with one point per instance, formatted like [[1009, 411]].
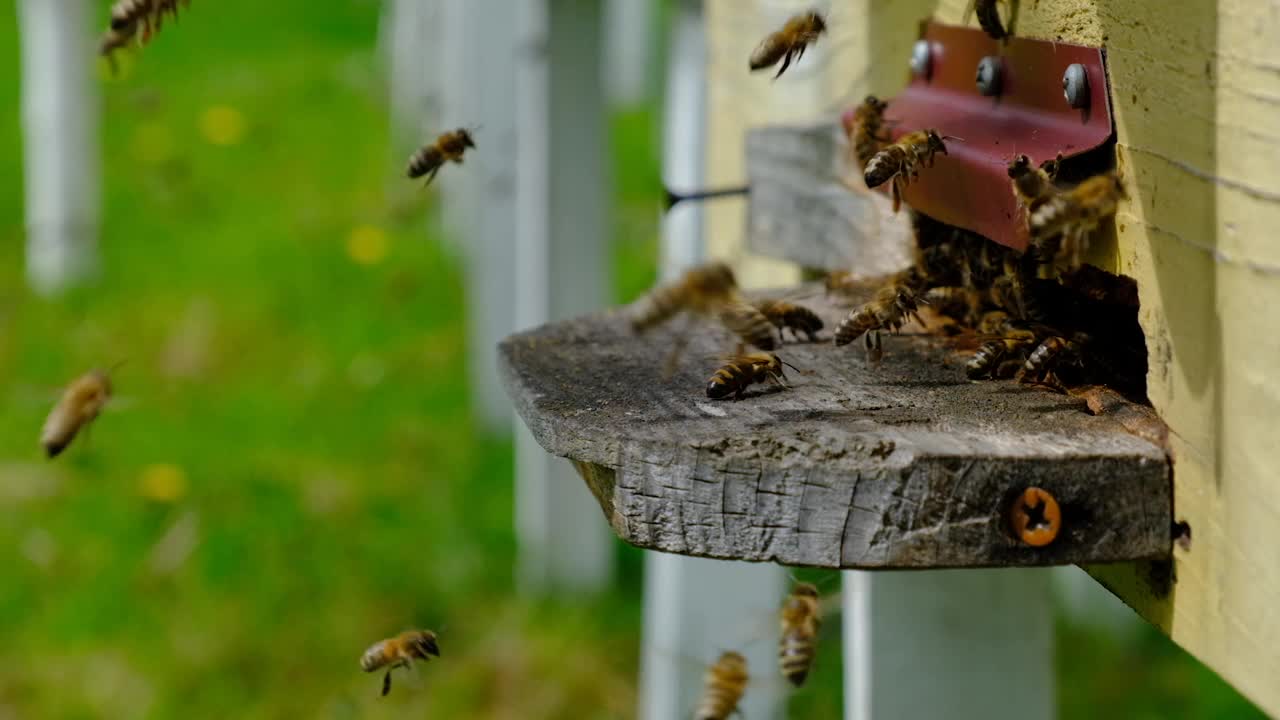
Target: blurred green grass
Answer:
[[293, 471]]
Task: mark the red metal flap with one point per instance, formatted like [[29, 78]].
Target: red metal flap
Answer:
[[970, 186]]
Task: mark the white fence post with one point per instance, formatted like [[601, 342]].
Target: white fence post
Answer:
[[60, 114], [696, 608], [629, 53], [560, 250], [961, 644]]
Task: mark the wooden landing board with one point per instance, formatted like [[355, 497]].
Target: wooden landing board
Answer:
[[904, 464]]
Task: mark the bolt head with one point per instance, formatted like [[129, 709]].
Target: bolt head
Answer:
[[921, 58], [988, 77], [1034, 517], [1075, 86]]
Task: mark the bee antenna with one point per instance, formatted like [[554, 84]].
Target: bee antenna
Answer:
[[793, 367], [111, 370]]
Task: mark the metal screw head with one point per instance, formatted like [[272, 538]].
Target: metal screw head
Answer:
[[921, 58], [1075, 85], [1034, 517], [988, 77]]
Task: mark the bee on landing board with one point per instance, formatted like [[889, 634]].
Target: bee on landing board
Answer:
[[1074, 215], [788, 43], [889, 310], [800, 619], [866, 131], [449, 147], [743, 370], [399, 651], [785, 315], [80, 404], [724, 685], [901, 161]]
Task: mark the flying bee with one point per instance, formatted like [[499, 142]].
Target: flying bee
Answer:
[[1033, 186], [1074, 215], [785, 315], [866, 131], [747, 322], [889, 310], [901, 161], [788, 43], [699, 290], [743, 370], [724, 685], [112, 41], [448, 147], [799, 620], [127, 15], [988, 18], [399, 651], [79, 405]]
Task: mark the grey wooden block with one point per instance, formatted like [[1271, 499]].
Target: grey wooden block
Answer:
[[808, 204], [904, 464]]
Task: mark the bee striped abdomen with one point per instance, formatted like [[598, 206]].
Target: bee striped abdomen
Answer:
[[884, 165], [657, 307], [376, 657], [725, 684], [426, 160], [795, 657]]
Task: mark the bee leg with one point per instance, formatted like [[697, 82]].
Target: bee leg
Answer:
[[896, 193], [386, 683], [431, 176], [786, 62]]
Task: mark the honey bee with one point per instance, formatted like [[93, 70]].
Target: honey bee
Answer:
[[998, 358], [449, 147], [889, 310], [1074, 215], [399, 651], [1054, 353], [699, 290], [988, 18], [725, 684], [747, 322], [743, 370], [785, 315], [80, 404], [800, 620], [788, 43], [1033, 186], [901, 161], [866, 131]]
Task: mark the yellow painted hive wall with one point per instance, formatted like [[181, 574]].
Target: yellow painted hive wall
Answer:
[[1196, 95]]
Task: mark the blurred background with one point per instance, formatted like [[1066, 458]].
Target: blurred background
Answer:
[[310, 448]]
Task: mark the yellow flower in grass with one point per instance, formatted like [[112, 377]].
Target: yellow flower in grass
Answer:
[[222, 125], [367, 244], [162, 482]]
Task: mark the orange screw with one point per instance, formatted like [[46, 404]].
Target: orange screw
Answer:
[[1035, 517]]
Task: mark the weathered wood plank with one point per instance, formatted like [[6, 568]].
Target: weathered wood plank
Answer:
[[808, 204], [898, 465]]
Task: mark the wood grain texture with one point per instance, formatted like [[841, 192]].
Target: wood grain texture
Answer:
[[808, 204], [904, 464]]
